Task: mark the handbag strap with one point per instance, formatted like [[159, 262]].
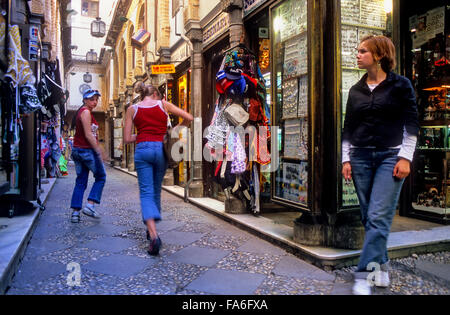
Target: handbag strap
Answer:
[[169, 124]]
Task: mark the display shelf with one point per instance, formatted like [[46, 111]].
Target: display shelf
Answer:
[[434, 149], [296, 36], [364, 26], [434, 123], [293, 158], [437, 210]]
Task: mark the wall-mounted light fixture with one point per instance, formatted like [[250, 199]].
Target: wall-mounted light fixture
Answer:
[[91, 56], [87, 77]]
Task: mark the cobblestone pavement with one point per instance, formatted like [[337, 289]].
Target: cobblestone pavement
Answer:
[[201, 254]]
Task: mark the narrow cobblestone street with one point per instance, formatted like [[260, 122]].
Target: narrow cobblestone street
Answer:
[[201, 254]]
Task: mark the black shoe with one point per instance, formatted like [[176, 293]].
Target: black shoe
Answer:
[[155, 244]]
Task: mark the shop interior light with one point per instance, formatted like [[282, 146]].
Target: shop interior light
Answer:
[[278, 24], [388, 6]]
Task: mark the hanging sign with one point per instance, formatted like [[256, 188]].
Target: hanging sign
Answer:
[[140, 38], [162, 69], [33, 50], [251, 5], [214, 30], [33, 45]]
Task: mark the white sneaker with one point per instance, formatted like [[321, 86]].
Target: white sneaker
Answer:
[[382, 279], [90, 211], [361, 287]]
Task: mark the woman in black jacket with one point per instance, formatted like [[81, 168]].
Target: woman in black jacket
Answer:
[[379, 139]]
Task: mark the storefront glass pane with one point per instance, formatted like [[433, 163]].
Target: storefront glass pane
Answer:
[[290, 88], [430, 69], [359, 18]]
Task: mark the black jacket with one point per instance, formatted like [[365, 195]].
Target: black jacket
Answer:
[[377, 118]]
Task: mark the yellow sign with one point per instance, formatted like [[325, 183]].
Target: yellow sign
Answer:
[[160, 69]]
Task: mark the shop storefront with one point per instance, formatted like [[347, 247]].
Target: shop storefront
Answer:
[[32, 108], [179, 93], [427, 64], [311, 67]]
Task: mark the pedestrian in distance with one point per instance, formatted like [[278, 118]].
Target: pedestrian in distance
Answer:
[[150, 118], [378, 142], [87, 155]]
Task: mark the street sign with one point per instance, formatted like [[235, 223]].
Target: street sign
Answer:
[[161, 69]]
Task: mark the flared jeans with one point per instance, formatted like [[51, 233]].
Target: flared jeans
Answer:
[[151, 165]]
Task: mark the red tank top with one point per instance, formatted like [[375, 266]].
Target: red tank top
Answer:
[[79, 140], [150, 122]]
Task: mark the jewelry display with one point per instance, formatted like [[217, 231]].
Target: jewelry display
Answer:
[[290, 98]]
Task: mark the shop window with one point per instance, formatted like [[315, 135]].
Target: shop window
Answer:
[[359, 18], [430, 73], [290, 95], [89, 8]]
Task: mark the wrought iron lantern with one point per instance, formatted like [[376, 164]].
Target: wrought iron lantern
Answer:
[[87, 77], [98, 28], [91, 56]]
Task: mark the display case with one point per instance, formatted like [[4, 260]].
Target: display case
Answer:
[[430, 74], [359, 18], [289, 20]]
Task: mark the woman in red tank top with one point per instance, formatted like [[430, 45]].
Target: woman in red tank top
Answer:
[[150, 119]]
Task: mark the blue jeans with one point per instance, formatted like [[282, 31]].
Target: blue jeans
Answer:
[[87, 160], [378, 192], [151, 165]]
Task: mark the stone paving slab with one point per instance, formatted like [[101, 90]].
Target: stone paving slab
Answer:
[[32, 272], [40, 247], [258, 246], [119, 265], [105, 229], [167, 225], [200, 256], [110, 244], [180, 238], [438, 270], [222, 282], [293, 267]]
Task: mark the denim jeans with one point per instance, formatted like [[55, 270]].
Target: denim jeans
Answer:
[[87, 160], [378, 192], [151, 165]]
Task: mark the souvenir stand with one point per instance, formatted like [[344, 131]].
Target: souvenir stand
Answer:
[[53, 98], [239, 133], [19, 104]]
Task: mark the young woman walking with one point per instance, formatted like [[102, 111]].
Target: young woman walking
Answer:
[[379, 138], [150, 119]]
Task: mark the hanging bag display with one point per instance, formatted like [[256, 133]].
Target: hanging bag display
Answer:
[[29, 99], [236, 115]]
